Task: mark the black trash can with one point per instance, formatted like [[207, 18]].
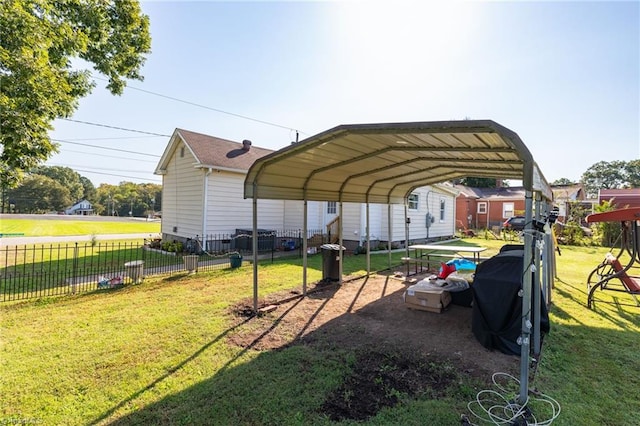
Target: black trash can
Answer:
[[330, 262]]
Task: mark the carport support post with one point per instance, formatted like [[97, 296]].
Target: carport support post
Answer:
[[304, 249], [525, 336], [549, 265], [389, 211], [341, 249], [255, 250], [368, 242], [536, 284], [406, 232]]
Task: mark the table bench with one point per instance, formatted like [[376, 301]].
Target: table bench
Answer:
[[428, 254]]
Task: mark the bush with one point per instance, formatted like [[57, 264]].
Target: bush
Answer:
[[172, 246]]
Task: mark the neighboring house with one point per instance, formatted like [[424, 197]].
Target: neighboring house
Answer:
[[202, 194], [621, 198], [565, 196], [83, 208], [478, 208]]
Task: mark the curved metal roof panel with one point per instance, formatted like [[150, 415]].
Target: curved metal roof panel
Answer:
[[383, 163]]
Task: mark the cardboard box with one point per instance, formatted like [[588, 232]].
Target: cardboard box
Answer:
[[426, 299]]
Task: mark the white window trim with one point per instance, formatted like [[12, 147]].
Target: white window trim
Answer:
[[505, 210], [416, 202], [482, 207]]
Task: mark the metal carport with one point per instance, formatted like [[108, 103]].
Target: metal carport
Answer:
[[384, 162]]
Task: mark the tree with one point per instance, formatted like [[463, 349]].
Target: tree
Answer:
[[89, 191], [65, 176], [561, 182], [38, 40], [632, 173], [39, 194], [477, 182], [605, 175], [139, 199], [609, 231]]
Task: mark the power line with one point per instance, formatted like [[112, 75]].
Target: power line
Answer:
[[110, 156], [111, 174], [114, 127], [120, 137], [210, 108], [107, 148], [73, 166]]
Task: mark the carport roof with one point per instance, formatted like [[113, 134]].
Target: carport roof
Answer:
[[385, 162]]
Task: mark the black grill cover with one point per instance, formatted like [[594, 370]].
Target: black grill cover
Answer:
[[497, 308]]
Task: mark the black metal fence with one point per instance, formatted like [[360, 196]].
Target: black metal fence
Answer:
[[59, 269], [242, 241]]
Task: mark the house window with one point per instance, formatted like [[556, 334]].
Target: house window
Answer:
[[442, 209], [482, 208], [413, 201], [507, 210], [331, 207], [181, 151]]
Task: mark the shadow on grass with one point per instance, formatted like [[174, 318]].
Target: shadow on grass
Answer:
[[326, 378], [365, 360]]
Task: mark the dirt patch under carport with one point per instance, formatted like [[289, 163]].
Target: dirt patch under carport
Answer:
[[369, 316]]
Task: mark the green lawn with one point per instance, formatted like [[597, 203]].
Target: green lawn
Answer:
[[157, 353], [55, 227]]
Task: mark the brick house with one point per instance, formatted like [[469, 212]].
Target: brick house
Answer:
[[621, 198], [486, 208]]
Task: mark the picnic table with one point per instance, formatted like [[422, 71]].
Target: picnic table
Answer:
[[435, 253]]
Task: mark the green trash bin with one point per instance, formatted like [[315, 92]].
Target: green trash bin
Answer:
[[331, 262], [236, 260]]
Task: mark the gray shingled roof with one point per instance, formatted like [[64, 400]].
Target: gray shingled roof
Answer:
[[210, 151], [504, 192]]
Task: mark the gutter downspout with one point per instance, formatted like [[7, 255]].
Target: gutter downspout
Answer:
[[205, 202]]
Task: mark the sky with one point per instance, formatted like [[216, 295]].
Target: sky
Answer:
[[565, 76]]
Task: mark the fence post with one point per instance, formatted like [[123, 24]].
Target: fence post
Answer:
[[74, 269]]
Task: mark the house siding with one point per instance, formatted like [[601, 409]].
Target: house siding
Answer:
[[227, 210], [182, 195], [428, 202], [294, 214], [620, 198]]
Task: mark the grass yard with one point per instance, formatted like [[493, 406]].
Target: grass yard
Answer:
[[56, 226], [158, 353]]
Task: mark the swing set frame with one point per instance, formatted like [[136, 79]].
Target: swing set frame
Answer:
[[612, 274]]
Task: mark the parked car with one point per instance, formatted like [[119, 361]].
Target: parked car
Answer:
[[514, 223]]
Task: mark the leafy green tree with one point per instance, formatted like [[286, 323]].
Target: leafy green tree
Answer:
[[603, 175], [609, 232], [65, 176], [562, 181], [88, 191], [119, 200], [477, 182], [39, 194], [38, 40], [632, 173]]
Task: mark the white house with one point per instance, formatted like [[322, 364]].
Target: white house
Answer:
[[82, 207], [202, 195]]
